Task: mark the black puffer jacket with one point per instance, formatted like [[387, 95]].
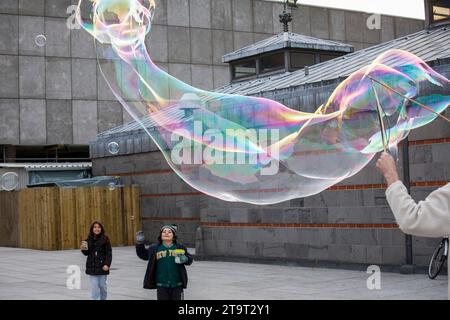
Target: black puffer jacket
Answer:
[[99, 253], [150, 255]]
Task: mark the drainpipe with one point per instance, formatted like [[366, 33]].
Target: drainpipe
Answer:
[[408, 268]]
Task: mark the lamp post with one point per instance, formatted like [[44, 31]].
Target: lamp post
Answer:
[[286, 17]]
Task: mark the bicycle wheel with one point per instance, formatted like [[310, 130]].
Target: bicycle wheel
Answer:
[[437, 261]]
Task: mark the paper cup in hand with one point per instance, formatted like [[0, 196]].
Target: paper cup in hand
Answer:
[[84, 244], [178, 253]]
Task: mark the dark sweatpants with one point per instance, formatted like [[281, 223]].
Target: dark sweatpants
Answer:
[[169, 293]]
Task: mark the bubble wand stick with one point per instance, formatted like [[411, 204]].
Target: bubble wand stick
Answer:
[[380, 118]]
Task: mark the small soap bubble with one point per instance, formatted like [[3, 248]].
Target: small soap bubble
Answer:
[[113, 147], [40, 40], [111, 186], [9, 181]]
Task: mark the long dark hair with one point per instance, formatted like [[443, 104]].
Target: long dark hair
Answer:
[[174, 240], [102, 232]]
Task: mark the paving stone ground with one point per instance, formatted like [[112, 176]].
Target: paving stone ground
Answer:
[[34, 274]]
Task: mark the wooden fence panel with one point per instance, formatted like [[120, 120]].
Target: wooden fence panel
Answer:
[[132, 213], [37, 218], [59, 218], [127, 206], [68, 221], [135, 198], [97, 205], [113, 215], [47, 214], [24, 234], [9, 219], [82, 211]]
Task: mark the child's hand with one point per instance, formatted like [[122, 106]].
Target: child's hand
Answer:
[[140, 237], [105, 268]]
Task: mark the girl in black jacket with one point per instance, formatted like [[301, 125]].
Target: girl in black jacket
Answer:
[[97, 248]]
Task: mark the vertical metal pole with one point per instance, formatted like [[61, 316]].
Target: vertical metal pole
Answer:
[[258, 67], [406, 182], [287, 61]]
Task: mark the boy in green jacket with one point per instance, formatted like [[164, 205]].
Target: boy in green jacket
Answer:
[[166, 270]]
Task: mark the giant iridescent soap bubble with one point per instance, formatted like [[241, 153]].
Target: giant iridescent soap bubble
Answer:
[[255, 150]]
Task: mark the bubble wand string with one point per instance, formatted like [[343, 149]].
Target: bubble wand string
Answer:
[[411, 100]]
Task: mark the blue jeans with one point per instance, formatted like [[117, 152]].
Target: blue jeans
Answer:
[[98, 287]]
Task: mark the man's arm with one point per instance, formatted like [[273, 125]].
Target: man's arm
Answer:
[[430, 217], [388, 169]]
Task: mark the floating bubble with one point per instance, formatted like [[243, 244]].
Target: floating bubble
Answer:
[[113, 147], [40, 40], [252, 149], [111, 186], [9, 181]]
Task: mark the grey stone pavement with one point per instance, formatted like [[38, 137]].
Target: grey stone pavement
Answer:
[[33, 274]]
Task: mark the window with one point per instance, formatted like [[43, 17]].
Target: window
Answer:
[[244, 69], [440, 10], [301, 59], [326, 57], [50, 153], [272, 62]]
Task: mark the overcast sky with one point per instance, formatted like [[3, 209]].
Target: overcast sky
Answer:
[[403, 8]]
